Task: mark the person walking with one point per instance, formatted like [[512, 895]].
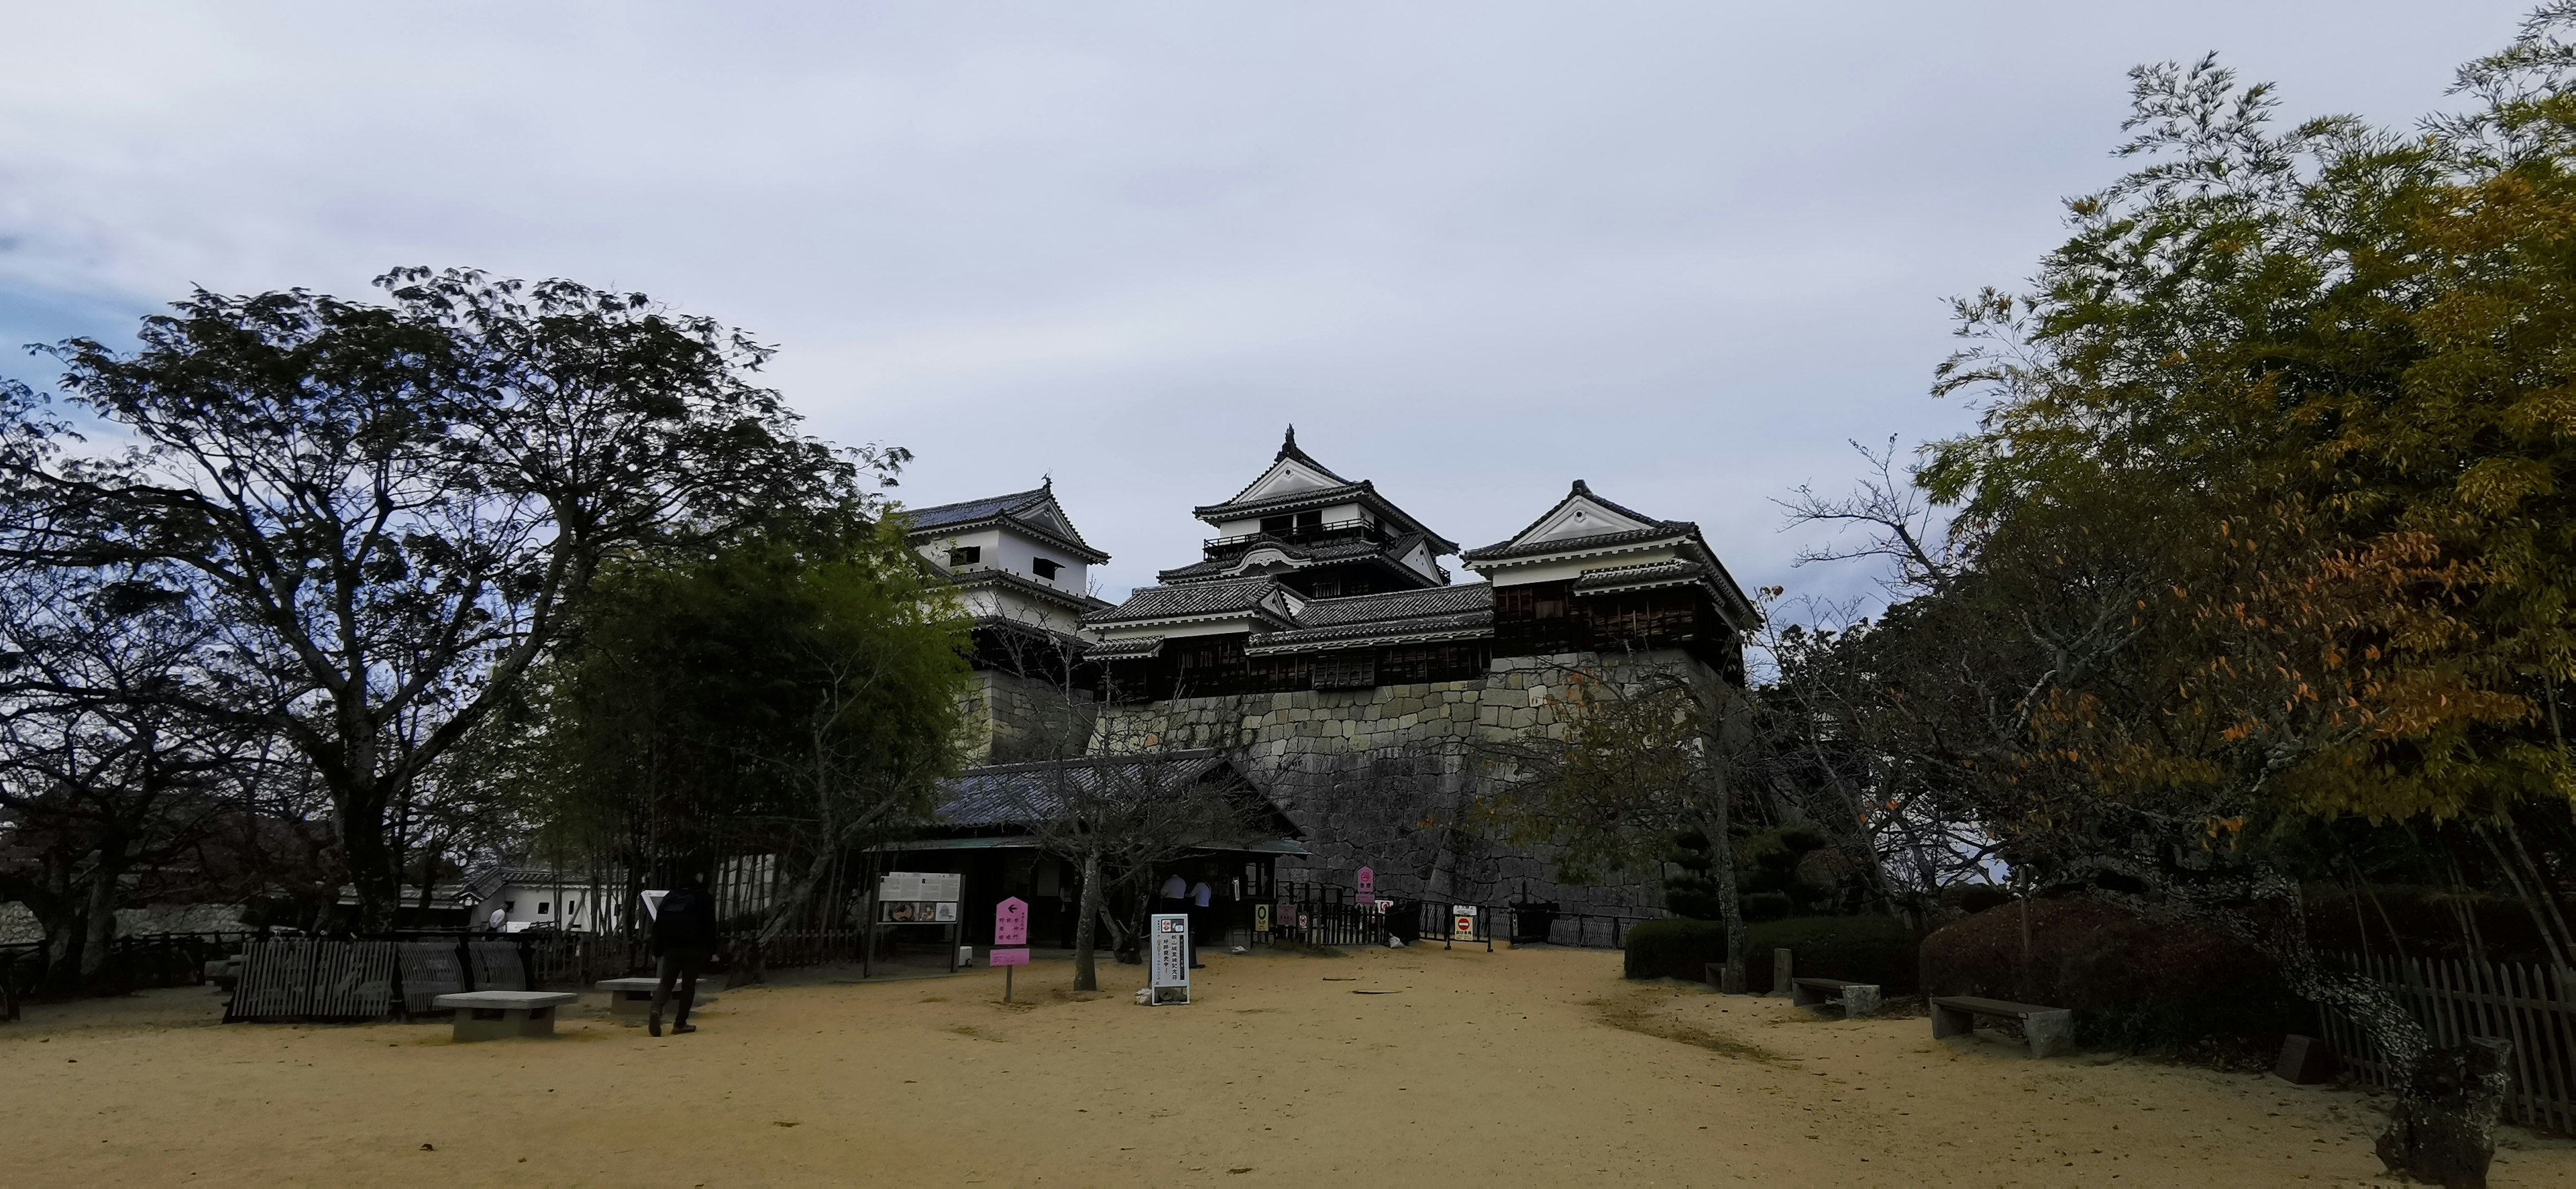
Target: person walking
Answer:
[[684, 934]]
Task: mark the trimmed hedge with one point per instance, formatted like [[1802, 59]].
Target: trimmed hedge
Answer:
[[2134, 983], [1863, 949], [1867, 949], [1674, 947]]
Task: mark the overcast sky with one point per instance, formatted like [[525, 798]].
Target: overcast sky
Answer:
[[1473, 251]]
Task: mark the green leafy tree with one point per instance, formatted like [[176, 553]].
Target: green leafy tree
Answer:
[[394, 507], [796, 694], [2265, 524]]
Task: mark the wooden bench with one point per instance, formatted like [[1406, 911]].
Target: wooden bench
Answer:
[[1856, 999], [2051, 1030], [634, 996], [498, 1015]]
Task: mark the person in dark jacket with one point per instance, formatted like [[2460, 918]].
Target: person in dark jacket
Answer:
[[684, 934]]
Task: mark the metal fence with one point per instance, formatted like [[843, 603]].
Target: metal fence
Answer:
[[313, 979], [1585, 929], [2457, 1001], [1319, 914]]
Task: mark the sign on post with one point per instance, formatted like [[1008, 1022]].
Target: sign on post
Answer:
[[1462, 922], [1261, 917], [1368, 884], [1171, 956], [1010, 939]]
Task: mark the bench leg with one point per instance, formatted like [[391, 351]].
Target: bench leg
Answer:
[[1859, 1001], [1950, 1021], [1780, 971], [2050, 1032], [1805, 996]]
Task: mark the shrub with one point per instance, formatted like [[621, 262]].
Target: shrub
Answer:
[[1862, 949], [1674, 947], [1766, 906], [2134, 983]]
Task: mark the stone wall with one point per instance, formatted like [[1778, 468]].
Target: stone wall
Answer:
[[1010, 719], [1387, 777]]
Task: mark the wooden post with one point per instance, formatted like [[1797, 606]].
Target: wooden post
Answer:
[[1780, 972]]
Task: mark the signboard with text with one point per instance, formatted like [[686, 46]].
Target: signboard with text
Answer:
[[1171, 962], [918, 897], [1462, 922], [1010, 933], [1368, 884]]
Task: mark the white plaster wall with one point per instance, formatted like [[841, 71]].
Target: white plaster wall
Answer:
[[1011, 553]]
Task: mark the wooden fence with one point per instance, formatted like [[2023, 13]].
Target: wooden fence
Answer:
[[2457, 1001]]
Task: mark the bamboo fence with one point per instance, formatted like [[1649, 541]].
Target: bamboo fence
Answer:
[[2457, 1001]]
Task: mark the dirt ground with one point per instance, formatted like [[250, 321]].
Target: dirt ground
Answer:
[[1412, 1067]]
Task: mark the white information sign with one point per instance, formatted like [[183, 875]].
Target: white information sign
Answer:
[[919, 897], [1171, 954], [1462, 922], [920, 885]]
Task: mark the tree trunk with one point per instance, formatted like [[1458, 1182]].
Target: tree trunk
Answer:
[[2448, 1099], [101, 923], [373, 867], [1730, 908], [1086, 968], [2443, 1131]]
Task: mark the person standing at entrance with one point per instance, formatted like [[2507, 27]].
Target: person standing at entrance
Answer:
[[1200, 919], [684, 934]]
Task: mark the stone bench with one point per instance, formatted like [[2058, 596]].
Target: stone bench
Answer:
[[2051, 1030], [497, 1015], [1856, 999], [634, 996]]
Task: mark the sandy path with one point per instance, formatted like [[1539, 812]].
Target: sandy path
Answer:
[[1528, 1067]]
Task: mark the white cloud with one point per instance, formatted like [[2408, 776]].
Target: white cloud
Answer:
[[1474, 250]]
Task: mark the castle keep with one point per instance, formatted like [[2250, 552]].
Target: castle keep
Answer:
[[1320, 638]]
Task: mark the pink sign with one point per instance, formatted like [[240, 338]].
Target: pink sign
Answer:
[[1011, 924], [1368, 883], [1017, 957]]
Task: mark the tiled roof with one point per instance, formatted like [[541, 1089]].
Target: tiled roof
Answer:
[[1654, 529], [1662, 573], [1222, 597], [1349, 549], [1125, 650], [1660, 530], [1404, 604], [941, 515], [1287, 450], [1441, 613], [1016, 794], [1016, 509], [1286, 501], [1078, 601]]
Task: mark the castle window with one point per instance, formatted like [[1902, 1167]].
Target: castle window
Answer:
[[1346, 672], [965, 555], [545, 908], [1276, 526], [1308, 522], [1044, 568]]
